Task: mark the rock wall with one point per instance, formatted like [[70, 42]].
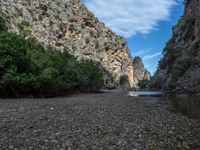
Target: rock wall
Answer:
[[67, 24], [179, 70], [140, 73]]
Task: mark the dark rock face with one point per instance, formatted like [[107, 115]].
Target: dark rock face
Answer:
[[179, 70]]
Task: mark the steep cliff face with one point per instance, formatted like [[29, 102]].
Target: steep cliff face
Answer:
[[67, 24], [179, 70], [140, 73]]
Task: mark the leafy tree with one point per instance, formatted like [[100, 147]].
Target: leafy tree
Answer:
[[3, 27], [123, 80], [91, 78], [180, 66], [143, 84], [26, 68]]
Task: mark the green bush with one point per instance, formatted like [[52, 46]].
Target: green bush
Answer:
[[161, 64], [143, 84], [171, 53], [123, 80], [91, 77], [196, 45], [3, 27], [180, 66], [194, 50], [26, 68]]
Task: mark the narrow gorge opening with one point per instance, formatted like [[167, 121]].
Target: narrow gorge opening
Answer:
[[147, 30], [69, 74], [144, 39]]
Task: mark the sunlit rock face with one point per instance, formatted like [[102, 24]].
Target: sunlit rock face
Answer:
[[180, 68], [68, 25], [139, 70]]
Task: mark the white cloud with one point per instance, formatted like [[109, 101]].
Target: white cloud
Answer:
[[142, 52], [147, 57], [128, 17]]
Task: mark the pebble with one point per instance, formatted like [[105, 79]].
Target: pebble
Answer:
[[108, 120]]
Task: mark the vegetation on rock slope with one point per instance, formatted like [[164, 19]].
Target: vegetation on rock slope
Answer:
[[178, 70], [26, 68]]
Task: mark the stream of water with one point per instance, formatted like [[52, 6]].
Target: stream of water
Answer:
[[187, 105]]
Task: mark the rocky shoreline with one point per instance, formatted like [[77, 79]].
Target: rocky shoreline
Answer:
[[109, 120]]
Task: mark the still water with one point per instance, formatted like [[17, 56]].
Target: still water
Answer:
[[187, 105], [145, 93]]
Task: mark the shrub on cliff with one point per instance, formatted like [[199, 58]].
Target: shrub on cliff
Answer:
[[143, 84], [26, 68], [123, 80], [161, 64], [3, 27], [180, 66], [187, 23], [170, 54]]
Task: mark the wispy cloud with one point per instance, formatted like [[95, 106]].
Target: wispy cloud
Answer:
[[147, 57], [142, 52], [128, 17]]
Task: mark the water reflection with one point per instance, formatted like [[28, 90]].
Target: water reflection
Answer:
[[187, 105], [144, 93]]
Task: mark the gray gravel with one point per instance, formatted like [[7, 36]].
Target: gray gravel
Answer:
[[104, 121]]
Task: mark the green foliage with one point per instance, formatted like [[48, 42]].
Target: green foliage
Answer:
[[176, 62], [12, 77], [195, 48], [143, 84], [179, 67], [171, 53], [3, 27], [169, 47], [196, 45], [161, 64], [26, 68], [123, 80], [91, 77]]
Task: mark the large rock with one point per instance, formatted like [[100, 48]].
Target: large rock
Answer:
[[181, 62], [68, 25], [140, 73]]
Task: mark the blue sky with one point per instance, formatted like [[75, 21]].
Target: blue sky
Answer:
[[146, 24]]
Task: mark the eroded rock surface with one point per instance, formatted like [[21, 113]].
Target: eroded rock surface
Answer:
[[181, 62], [139, 70], [67, 24]]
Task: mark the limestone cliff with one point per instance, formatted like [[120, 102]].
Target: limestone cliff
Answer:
[[67, 24], [140, 73], [179, 70]]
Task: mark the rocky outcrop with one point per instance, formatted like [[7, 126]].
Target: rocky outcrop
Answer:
[[140, 73], [68, 25], [179, 70]]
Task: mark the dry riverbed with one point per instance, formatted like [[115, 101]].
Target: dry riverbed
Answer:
[[104, 121]]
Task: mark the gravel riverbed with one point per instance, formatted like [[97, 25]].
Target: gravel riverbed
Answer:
[[103, 121]]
